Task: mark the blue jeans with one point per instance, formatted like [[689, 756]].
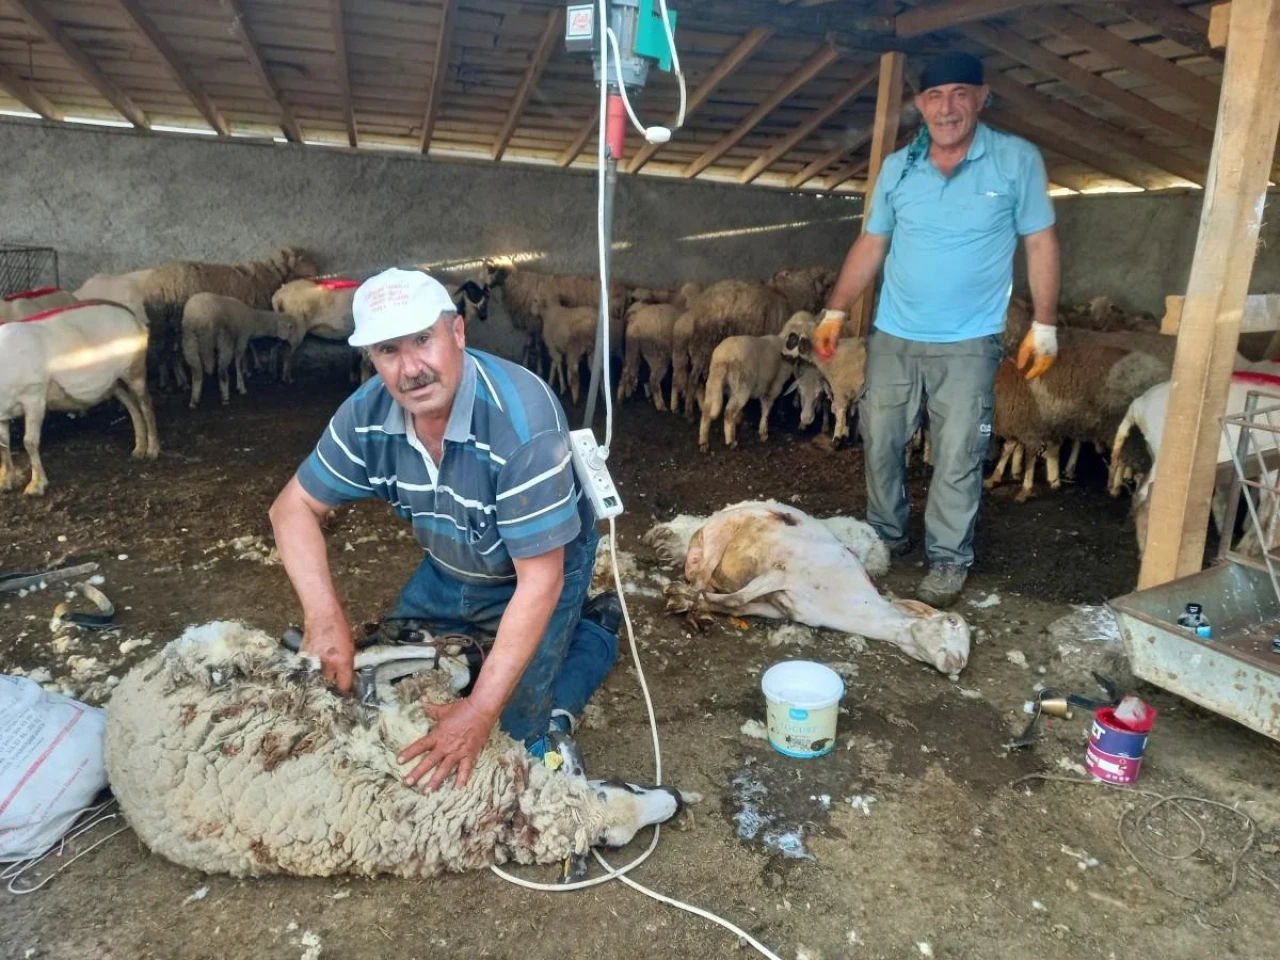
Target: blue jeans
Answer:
[[570, 663]]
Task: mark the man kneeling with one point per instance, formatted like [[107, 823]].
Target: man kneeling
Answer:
[[474, 452]]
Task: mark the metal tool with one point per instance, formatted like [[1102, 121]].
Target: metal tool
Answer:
[[23, 581], [1056, 704]]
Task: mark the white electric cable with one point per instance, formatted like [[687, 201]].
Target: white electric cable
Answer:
[[617, 72], [675, 61]]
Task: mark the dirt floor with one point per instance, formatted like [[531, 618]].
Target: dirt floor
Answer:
[[911, 839]]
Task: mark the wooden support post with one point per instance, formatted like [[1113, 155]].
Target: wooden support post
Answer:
[[884, 138], [1245, 141], [1219, 24]]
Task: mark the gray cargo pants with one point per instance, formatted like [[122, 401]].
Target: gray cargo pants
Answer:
[[955, 383]]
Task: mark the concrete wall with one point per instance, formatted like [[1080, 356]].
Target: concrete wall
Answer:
[[112, 200], [1137, 248]]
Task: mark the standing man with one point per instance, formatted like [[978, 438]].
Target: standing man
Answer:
[[947, 211], [473, 451]]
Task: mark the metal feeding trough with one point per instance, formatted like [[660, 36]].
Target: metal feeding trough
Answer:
[[1235, 673]]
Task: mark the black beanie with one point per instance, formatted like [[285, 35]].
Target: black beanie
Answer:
[[952, 68]]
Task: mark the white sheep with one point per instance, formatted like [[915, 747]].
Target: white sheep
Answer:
[[683, 393], [323, 306], [167, 288], [845, 372], [744, 368], [216, 333], [72, 360], [570, 335], [648, 339], [19, 306], [726, 309], [228, 754]]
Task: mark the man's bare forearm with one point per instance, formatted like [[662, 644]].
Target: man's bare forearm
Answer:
[[1043, 275], [861, 265], [300, 542], [520, 631]]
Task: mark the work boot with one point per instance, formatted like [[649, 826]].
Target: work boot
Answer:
[[604, 610], [942, 585], [899, 548]]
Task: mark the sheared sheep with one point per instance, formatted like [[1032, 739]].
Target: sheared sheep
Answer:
[[125, 289], [845, 373], [648, 338], [726, 309], [322, 305], [168, 288], [770, 560], [72, 360], [229, 755], [216, 332], [570, 335], [18, 306], [746, 368], [519, 288]]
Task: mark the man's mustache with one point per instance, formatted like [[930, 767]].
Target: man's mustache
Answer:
[[424, 379]]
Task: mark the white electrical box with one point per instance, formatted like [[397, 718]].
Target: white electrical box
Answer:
[[593, 474]]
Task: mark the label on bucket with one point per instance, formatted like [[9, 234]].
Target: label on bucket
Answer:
[[802, 733], [1111, 767]]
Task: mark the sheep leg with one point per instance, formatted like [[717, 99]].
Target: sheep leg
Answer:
[[9, 479], [1115, 475], [224, 378], [630, 376], [135, 417], [286, 362], [733, 417], [33, 420], [1069, 471], [840, 435], [1051, 460], [136, 384], [1006, 453], [657, 371], [1028, 480], [575, 376], [766, 405], [240, 365], [1015, 465]]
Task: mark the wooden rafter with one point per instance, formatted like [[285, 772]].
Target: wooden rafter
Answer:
[[944, 14], [570, 153], [1066, 146], [339, 28], [1135, 59], [439, 74], [1038, 58], [821, 163], [174, 63], [820, 60], [812, 123], [848, 172], [730, 62], [1176, 22], [27, 95], [547, 43], [240, 27], [39, 18], [1033, 102]]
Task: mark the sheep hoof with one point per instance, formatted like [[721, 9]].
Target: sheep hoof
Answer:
[[1055, 485], [34, 489], [1022, 496], [990, 483], [192, 405], [839, 443], [704, 447]]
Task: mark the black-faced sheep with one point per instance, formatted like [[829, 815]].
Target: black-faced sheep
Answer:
[[72, 360], [216, 333], [229, 755], [845, 372], [744, 368]]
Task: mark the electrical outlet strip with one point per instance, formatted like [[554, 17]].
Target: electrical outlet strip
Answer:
[[593, 474]]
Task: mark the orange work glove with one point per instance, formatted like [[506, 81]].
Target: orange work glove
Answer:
[[1041, 342], [827, 334]]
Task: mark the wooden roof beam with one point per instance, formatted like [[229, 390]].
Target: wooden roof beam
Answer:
[[240, 28], [339, 28], [1133, 58], [944, 14], [570, 153], [1038, 58], [40, 19], [1067, 146], [847, 172], [1033, 102], [823, 57], [184, 77], [821, 163], [812, 123], [27, 95], [537, 62], [439, 71], [1176, 22], [730, 62]]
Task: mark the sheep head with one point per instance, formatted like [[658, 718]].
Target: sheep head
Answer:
[[626, 809], [797, 335], [495, 274], [935, 636], [294, 263]]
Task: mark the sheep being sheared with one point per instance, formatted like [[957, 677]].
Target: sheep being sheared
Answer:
[[229, 754], [775, 561]]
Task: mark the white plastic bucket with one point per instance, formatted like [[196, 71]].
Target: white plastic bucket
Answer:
[[803, 700]]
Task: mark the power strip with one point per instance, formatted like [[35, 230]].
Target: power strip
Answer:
[[593, 474]]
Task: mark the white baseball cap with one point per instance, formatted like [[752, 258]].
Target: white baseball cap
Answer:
[[396, 303]]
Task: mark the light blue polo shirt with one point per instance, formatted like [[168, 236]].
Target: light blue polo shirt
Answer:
[[949, 273]]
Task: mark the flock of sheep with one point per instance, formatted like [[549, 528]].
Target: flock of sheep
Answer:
[[697, 350]]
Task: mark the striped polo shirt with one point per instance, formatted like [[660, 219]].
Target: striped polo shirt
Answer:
[[504, 488]]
